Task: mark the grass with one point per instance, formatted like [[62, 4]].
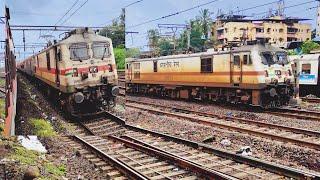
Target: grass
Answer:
[[2, 82], [31, 158], [25, 156], [42, 128], [2, 114], [59, 170], [2, 108]]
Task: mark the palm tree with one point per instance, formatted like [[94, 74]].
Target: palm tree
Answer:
[[205, 20], [153, 37]]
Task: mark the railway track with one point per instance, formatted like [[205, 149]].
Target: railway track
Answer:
[[122, 82], [297, 113], [298, 136], [155, 155], [310, 100]]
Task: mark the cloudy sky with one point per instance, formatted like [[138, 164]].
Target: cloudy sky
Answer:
[[151, 9], [101, 12], [44, 12]]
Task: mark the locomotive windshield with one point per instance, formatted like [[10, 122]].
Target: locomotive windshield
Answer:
[[79, 51], [101, 50], [269, 58], [281, 58]]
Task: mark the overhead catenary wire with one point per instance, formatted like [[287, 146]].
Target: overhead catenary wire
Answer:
[[124, 7], [173, 14], [73, 5], [287, 7], [75, 12]]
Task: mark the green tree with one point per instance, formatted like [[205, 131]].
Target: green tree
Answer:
[[205, 21], [308, 46], [153, 37], [165, 46], [132, 52], [115, 31], [120, 56]]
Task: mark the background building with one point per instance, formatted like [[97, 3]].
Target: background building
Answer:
[[277, 30]]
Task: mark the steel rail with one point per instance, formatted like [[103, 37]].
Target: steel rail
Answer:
[[311, 100], [232, 127], [271, 167], [297, 113], [174, 159], [159, 149], [124, 168], [259, 123]]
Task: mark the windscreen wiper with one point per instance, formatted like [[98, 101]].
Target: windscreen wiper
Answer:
[[104, 52], [75, 55]]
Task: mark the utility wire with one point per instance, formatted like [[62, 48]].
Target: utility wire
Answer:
[[254, 7], [287, 7], [73, 5], [74, 12], [132, 3], [135, 2], [173, 14]]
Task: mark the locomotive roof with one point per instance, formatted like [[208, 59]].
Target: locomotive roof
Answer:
[[83, 36], [305, 57], [77, 36], [246, 48]]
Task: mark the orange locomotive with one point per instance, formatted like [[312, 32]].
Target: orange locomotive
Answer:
[[259, 75], [79, 71]]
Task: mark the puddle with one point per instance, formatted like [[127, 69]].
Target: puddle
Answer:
[[32, 143]]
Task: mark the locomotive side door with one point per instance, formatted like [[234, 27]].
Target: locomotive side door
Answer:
[[57, 58], [129, 71], [136, 71], [236, 69]]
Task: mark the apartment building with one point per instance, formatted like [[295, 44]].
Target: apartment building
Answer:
[[276, 30]]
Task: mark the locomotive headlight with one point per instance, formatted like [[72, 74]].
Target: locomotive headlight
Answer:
[[109, 67], [78, 97], [75, 72], [93, 69], [115, 91]]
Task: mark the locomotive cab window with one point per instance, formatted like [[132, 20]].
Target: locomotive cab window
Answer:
[[59, 57], [281, 58], [306, 69], [79, 51], [48, 61], [247, 59], [206, 65], [236, 60], [267, 58], [101, 50], [155, 66]]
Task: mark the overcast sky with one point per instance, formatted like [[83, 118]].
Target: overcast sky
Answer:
[[151, 9], [101, 12], [48, 12]]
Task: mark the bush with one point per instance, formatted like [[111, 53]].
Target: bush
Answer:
[[120, 56], [42, 128]]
